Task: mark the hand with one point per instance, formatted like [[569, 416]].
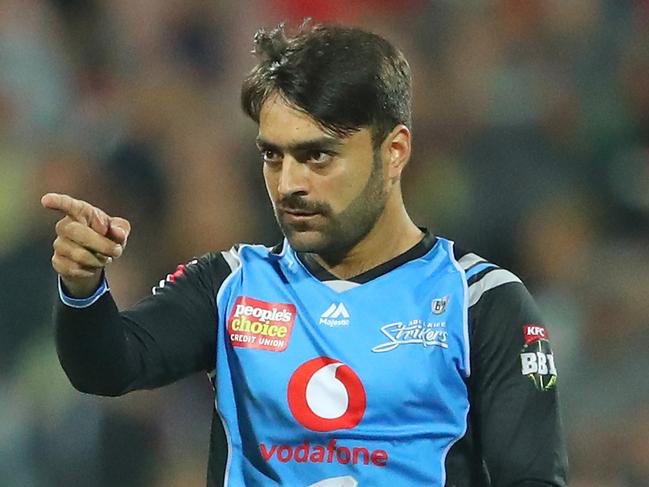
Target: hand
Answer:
[[86, 240]]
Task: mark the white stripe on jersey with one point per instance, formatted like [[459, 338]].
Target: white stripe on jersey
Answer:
[[469, 260], [491, 280], [340, 285], [232, 258]]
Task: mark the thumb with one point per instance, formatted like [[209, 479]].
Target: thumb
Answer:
[[118, 230]]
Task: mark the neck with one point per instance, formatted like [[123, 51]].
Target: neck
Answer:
[[393, 234]]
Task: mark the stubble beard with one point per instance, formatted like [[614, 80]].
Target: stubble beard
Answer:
[[341, 232]]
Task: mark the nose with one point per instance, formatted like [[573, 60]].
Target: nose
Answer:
[[293, 177]]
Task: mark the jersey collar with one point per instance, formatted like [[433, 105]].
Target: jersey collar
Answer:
[[418, 250]]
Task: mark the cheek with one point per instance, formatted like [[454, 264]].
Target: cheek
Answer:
[[271, 183], [345, 188], [342, 194], [332, 189]]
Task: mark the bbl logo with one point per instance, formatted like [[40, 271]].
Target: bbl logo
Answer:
[[438, 305], [537, 361]]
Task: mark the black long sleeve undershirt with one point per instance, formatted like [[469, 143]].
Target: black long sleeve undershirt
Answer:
[[163, 338], [93, 348]]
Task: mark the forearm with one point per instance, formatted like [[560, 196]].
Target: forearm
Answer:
[[161, 339], [93, 348]]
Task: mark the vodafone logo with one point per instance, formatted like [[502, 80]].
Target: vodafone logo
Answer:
[[325, 395]]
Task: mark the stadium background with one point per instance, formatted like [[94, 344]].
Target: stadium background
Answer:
[[531, 145]]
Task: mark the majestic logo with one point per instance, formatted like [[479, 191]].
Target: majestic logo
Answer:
[[416, 331], [335, 316], [537, 361], [438, 306], [325, 395], [258, 324]]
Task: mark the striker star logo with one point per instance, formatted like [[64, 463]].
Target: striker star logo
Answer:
[[325, 395]]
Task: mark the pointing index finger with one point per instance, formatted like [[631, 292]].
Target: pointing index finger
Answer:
[[78, 210], [62, 203]]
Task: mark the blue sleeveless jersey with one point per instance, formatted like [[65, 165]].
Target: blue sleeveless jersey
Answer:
[[328, 383], [355, 385]]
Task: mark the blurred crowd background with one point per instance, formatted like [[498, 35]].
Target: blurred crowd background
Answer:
[[531, 146]]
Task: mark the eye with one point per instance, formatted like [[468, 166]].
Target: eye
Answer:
[[319, 157], [270, 156]]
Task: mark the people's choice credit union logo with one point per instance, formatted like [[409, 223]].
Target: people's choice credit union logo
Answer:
[[254, 323], [325, 395]]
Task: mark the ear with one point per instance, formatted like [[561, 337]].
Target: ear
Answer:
[[396, 150]]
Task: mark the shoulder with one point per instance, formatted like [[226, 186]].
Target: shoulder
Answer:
[[500, 307], [211, 269], [240, 253], [486, 279]]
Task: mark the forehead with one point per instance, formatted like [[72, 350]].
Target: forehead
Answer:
[[282, 124]]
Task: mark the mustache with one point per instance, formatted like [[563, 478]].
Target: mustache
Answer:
[[295, 202]]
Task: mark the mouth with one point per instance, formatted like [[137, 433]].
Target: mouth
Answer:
[[297, 216]]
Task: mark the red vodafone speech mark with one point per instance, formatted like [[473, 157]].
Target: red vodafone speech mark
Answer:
[[303, 412]]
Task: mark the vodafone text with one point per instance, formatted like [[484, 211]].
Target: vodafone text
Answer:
[[331, 453]]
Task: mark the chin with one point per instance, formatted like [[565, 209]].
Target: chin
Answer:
[[306, 241]]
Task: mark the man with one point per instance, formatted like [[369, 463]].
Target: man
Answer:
[[360, 351]]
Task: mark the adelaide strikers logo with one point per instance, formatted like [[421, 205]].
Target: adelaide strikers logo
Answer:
[[325, 395]]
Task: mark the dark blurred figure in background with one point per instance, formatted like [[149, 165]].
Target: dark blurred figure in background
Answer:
[[551, 97]]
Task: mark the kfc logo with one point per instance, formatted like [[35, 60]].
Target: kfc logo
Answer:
[[532, 333], [325, 395]]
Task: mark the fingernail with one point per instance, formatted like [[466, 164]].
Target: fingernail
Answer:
[[118, 250]]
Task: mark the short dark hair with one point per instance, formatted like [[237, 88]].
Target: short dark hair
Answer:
[[343, 77]]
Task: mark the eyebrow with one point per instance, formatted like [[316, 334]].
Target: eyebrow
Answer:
[[321, 143]]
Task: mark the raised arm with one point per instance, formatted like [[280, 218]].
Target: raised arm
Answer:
[[164, 337]]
